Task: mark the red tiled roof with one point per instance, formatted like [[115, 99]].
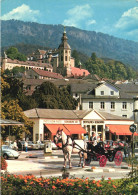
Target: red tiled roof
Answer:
[[79, 72], [42, 51], [48, 74]]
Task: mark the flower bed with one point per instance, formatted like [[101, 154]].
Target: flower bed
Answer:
[[30, 185], [3, 164]]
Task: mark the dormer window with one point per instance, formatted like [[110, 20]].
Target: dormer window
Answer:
[[102, 92], [112, 92]]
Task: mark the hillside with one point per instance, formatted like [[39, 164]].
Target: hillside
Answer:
[[105, 46]]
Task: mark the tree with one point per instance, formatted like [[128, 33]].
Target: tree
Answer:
[[93, 57], [76, 56], [12, 89], [49, 96], [13, 53], [12, 110]]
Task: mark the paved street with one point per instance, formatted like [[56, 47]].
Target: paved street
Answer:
[[34, 162]]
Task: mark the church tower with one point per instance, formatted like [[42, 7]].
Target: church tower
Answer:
[[65, 53]]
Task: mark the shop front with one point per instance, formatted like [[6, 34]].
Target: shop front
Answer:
[[119, 132], [78, 124], [75, 131]]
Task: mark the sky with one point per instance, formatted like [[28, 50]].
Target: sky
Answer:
[[114, 17]]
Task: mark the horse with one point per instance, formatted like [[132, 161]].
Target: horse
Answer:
[[69, 147]]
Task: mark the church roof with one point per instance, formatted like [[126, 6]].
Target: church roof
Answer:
[[64, 45]]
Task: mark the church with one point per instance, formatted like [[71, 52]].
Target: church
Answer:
[[60, 59]]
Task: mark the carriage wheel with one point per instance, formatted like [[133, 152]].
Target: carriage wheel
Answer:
[[102, 161], [118, 158]]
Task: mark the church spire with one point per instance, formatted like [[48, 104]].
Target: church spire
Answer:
[[64, 29], [64, 37]]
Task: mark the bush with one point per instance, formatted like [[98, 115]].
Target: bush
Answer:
[[3, 164], [30, 185]]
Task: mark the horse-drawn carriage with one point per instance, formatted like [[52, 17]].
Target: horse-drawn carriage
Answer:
[[104, 151]]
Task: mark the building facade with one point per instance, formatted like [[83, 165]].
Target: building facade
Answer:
[[106, 97], [8, 63], [77, 123]]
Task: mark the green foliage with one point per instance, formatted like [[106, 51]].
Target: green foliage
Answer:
[[49, 96], [17, 70], [110, 69], [11, 110], [79, 57], [13, 101], [13, 53], [19, 184]]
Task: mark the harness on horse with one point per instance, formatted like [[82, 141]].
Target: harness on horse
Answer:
[[66, 144]]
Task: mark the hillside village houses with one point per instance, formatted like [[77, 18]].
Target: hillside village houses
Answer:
[[8, 63], [103, 107], [49, 60]]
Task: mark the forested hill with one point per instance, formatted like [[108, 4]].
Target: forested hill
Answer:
[[105, 46]]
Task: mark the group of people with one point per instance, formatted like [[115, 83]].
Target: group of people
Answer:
[[93, 138], [15, 145], [127, 146]]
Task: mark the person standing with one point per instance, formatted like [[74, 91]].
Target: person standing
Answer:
[[26, 146], [15, 147], [93, 139]]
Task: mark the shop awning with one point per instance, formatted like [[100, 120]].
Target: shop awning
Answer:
[[54, 127], [120, 129], [75, 129]]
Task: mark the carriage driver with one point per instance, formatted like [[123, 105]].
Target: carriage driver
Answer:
[[93, 139]]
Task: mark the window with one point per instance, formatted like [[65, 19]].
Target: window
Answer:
[[125, 116], [91, 105], [112, 105], [102, 92], [124, 105], [102, 105], [112, 92], [65, 58]]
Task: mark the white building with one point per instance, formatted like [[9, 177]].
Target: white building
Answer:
[[106, 97], [76, 123]]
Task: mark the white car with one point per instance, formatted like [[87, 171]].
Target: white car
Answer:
[[7, 152]]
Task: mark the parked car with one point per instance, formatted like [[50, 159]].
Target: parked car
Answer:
[[7, 152], [9, 143], [31, 145], [21, 145], [40, 144]]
